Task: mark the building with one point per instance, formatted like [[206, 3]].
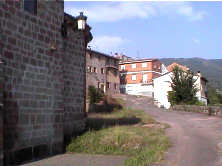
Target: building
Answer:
[[102, 71], [136, 76], [43, 64], [162, 85], [123, 57]]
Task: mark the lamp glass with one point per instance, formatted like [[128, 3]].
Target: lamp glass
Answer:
[[81, 24]]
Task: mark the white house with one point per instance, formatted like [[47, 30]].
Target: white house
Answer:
[[162, 84]]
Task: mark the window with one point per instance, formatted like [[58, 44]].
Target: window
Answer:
[[30, 6], [133, 66], [144, 65], [90, 55], [90, 69], [98, 84], [115, 73], [108, 61], [133, 77], [108, 85], [115, 86], [95, 70], [154, 66], [102, 70], [99, 57], [122, 67], [115, 63], [108, 72], [122, 77]]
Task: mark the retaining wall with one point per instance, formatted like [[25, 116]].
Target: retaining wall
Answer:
[[209, 110]]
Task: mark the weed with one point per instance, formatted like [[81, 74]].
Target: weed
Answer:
[[117, 134]]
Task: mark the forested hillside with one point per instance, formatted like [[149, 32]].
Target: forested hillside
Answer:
[[210, 69]]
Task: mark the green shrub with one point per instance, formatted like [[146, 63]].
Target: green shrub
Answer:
[[95, 95], [108, 105]]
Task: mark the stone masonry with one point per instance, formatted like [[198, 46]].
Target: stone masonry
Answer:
[[44, 81], [1, 114]]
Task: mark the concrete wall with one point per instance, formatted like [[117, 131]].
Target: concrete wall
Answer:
[[137, 89], [161, 86]]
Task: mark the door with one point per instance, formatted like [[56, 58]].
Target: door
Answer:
[[144, 78], [103, 88]]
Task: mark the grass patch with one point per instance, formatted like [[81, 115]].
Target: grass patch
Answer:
[[123, 132]]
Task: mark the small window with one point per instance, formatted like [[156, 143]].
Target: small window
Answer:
[[122, 67], [154, 66], [133, 77], [115, 86], [90, 69], [133, 66], [98, 84], [108, 61], [95, 70], [102, 70], [115, 73], [108, 72], [122, 77], [30, 6], [144, 65], [115, 63], [108, 85], [90, 55], [99, 58]]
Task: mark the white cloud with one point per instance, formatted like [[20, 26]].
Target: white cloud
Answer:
[[195, 40], [116, 11], [107, 44]]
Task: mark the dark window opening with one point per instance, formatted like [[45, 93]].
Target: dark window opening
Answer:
[[30, 6]]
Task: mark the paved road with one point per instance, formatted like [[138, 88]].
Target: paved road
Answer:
[[196, 138]]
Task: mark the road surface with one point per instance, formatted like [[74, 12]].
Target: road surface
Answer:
[[196, 138]]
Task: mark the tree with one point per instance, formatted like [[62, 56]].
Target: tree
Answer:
[[183, 86], [214, 96], [95, 95]]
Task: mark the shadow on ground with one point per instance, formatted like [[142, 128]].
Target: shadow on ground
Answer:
[[100, 123]]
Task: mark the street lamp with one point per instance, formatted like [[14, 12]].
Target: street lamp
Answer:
[[81, 19], [81, 24]]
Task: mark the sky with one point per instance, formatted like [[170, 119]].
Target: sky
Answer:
[[153, 29]]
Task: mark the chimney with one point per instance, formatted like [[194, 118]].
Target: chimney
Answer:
[[199, 74]]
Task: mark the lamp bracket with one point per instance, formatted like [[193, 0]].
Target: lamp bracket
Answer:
[[71, 33]]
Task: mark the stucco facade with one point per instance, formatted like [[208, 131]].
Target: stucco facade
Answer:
[[162, 84]]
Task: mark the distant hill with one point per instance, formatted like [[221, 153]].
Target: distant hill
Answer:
[[210, 69]]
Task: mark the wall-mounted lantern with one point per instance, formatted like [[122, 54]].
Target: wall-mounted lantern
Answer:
[[81, 23], [81, 19]]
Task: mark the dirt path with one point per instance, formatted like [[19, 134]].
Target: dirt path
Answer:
[[196, 138]]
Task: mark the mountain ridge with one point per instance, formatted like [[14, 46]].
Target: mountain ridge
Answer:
[[211, 69]]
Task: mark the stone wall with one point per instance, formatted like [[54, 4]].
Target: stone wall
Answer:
[[33, 80], [74, 93], [1, 114], [209, 110], [44, 80]]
